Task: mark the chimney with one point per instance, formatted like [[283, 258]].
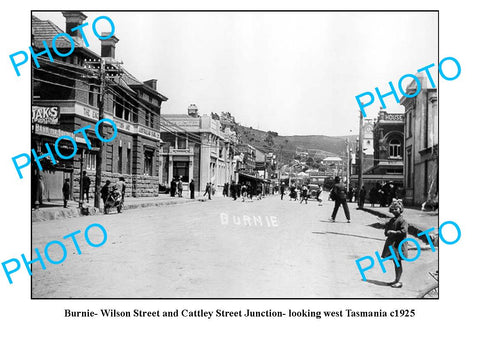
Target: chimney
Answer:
[[108, 45], [74, 19], [151, 83], [193, 110]]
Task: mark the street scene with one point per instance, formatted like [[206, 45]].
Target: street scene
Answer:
[[191, 251], [226, 157]]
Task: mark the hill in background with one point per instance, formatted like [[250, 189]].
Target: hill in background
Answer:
[[288, 147]]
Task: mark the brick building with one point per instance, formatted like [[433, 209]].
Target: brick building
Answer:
[[72, 92]]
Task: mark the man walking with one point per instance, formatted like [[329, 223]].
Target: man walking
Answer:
[[340, 196], [85, 185], [282, 191]]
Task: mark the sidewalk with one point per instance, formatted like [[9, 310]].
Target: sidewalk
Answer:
[[56, 211], [418, 221]]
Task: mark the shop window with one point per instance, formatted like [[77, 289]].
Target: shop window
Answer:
[[148, 162]]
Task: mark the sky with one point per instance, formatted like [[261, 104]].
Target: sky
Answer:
[[295, 73]]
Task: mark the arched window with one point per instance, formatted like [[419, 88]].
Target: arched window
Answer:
[[395, 149]]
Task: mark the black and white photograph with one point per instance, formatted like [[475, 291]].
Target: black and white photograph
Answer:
[[222, 155], [238, 170]]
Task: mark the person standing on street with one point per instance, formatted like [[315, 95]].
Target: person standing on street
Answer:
[[121, 186], [180, 187], [304, 194], [396, 231], [85, 185], [233, 189], [340, 197], [192, 189], [282, 191], [173, 187], [66, 192]]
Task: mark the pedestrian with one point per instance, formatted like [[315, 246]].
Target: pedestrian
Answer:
[[361, 197], [282, 191], [180, 187], [304, 194], [173, 187], [350, 194], [243, 191], [104, 191], [396, 231], [121, 186], [66, 192], [85, 185], [208, 191], [233, 189], [339, 195], [192, 189]]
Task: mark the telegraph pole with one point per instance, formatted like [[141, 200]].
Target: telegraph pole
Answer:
[[348, 163], [101, 76], [360, 150], [99, 158]]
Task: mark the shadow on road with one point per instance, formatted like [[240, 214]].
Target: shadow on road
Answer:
[[379, 283], [352, 235]]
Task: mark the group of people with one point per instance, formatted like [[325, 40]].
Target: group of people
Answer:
[[85, 189], [176, 188], [303, 192], [383, 194]]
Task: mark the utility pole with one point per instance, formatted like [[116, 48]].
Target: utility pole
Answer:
[[360, 151], [99, 65], [348, 163]]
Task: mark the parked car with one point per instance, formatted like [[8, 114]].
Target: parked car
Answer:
[[313, 191]]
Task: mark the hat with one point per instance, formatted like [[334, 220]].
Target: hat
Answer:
[[396, 203]]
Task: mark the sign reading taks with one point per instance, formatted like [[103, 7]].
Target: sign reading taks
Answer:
[[45, 115]]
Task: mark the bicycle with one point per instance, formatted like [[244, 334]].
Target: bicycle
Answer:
[[431, 292]]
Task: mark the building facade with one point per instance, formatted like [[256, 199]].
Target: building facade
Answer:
[[421, 143], [388, 152], [66, 97], [199, 148]]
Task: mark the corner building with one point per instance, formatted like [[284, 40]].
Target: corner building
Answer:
[[66, 97]]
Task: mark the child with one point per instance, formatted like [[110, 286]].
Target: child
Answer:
[[396, 231]]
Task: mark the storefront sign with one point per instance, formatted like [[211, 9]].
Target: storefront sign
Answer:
[[45, 114], [149, 133]]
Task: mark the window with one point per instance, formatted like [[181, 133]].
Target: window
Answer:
[[129, 161], [120, 158], [118, 108], [394, 149], [181, 143], [91, 95], [148, 169], [409, 124], [180, 171], [90, 161], [409, 168]]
